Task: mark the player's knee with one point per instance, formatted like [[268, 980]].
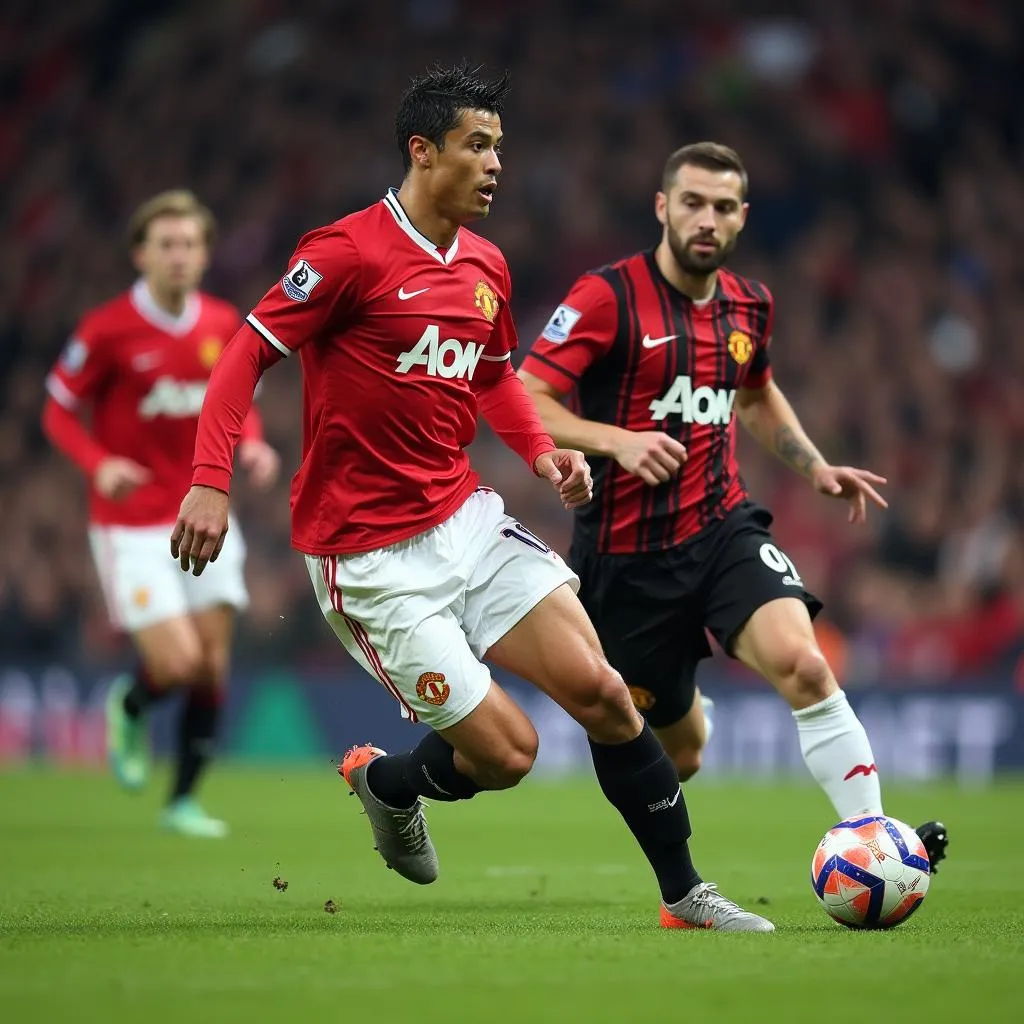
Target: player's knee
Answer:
[[178, 668], [687, 761], [605, 708], [805, 678]]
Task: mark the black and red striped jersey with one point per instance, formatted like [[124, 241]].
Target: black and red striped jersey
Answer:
[[637, 353]]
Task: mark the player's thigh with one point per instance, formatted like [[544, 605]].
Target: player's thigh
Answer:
[[757, 606], [496, 742], [778, 642], [142, 585], [650, 627], [748, 571], [406, 636], [554, 646], [223, 581]]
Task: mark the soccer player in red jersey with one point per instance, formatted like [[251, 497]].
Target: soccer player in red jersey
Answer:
[[140, 364], [400, 317], [661, 349]]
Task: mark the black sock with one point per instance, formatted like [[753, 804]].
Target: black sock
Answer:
[[198, 731], [142, 694], [642, 785], [427, 770]]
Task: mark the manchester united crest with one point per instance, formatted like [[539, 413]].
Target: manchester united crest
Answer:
[[643, 700], [741, 348], [432, 688], [486, 301], [209, 351]]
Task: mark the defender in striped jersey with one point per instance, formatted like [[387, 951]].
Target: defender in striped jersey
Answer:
[[664, 351]]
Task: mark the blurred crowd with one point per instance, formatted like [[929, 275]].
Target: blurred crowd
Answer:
[[884, 141]]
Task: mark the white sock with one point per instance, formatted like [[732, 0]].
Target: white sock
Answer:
[[708, 707], [838, 754]]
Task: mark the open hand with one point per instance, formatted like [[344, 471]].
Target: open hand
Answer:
[[199, 533], [853, 485]]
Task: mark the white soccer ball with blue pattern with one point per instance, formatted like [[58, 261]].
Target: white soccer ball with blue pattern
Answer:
[[870, 872]]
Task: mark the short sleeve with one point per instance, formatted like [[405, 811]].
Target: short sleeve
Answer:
[[320, 287], [579, 333], [81, 368], [760, 371]]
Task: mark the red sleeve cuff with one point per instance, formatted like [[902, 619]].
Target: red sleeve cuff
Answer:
[[759, 380], [212, 476], [540, 444]]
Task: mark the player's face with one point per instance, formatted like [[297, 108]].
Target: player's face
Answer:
[[703, 214], [173, 256], [465, 173]]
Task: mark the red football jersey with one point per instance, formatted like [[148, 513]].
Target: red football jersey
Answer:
[[393, 335], [144, 374], [639, 354]]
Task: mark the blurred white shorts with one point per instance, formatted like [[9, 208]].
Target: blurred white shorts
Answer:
[[419, 615], [144, 585]]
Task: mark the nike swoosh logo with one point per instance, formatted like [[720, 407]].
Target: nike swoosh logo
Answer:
[[679, 792], [650, 342], [403, 294]]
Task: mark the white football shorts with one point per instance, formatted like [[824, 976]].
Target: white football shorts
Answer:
[[144, 585], [419, 615]]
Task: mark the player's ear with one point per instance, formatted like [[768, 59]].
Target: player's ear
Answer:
[[661, 207], [139, 258], [422, 151], [744, 210]]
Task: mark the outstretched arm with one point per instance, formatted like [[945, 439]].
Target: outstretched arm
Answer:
[[198, 535], [768, 416]]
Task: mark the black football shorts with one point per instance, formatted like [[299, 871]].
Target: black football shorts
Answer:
[[651, 609]]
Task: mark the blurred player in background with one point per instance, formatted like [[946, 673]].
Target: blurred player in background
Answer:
[[660, 349], [402, 323], [140, 365]]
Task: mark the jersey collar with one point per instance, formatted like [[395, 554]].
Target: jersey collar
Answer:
[[392, 203], [146, 306]]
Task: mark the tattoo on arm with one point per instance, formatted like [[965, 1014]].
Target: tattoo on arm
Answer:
[[793, 452]]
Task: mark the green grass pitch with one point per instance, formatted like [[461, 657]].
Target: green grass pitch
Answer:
[[544, 911]]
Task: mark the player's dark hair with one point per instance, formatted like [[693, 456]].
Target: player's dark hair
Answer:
[[433, 103], [712, 156], [178, 202]]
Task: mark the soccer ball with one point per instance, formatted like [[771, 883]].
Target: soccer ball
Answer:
[[870, 872]]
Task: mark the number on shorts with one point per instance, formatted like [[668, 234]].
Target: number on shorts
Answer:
[[780, 562], [519, 532]]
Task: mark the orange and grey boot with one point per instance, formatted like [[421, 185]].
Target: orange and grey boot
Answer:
[[400, 835]]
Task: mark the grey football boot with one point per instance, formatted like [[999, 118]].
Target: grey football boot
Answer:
[[400, 835], [705, 907]]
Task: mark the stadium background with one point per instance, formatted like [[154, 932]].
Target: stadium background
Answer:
[[884, 141]]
